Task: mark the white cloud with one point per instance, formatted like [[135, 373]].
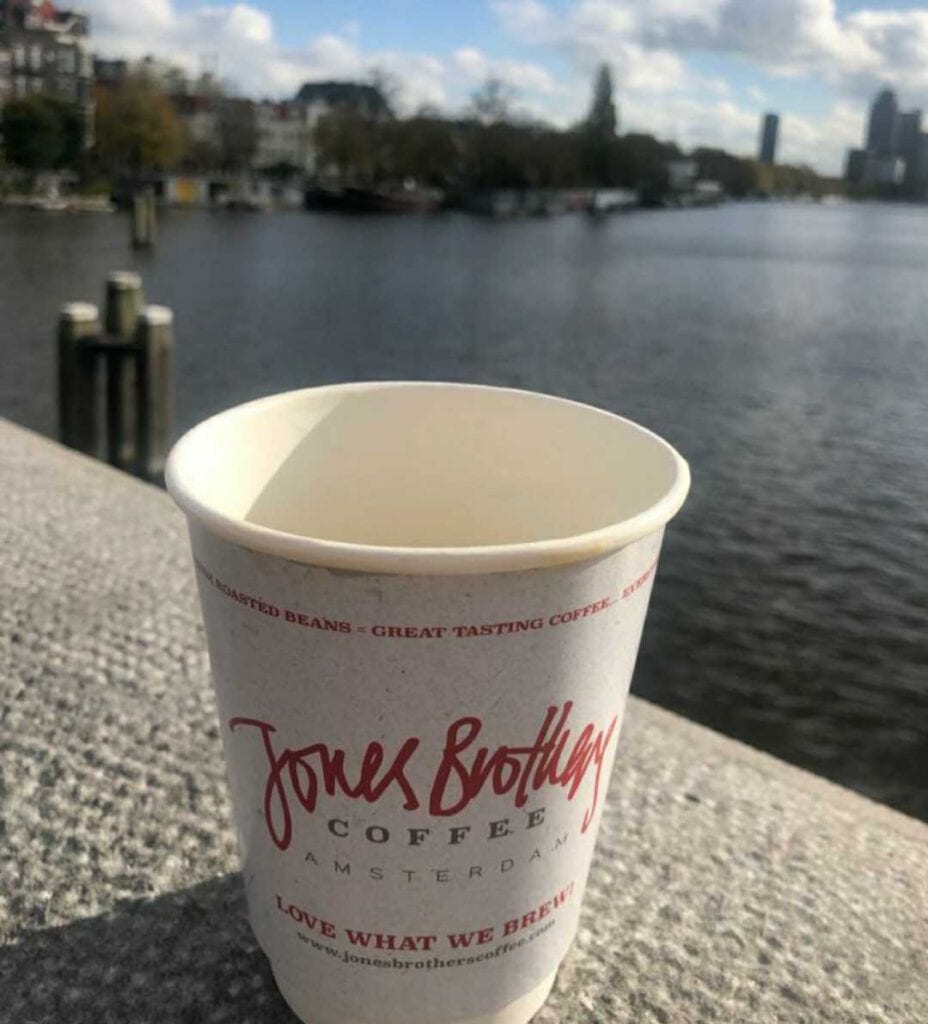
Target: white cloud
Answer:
[[692, 122], [818, 142], [238, 22], [531, 20], [239, 40], [641, 70], [899, 42], [521, 75], [117, 25], [854, 52], [646, 42]]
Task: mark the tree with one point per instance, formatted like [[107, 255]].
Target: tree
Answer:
[[388, 85], [137, 128], [602, 120], [42, 132], [491, 103], [598, 131], [349, 144], [421, 148], [736, 175], [282, 171], [199, 155], [640, 161], [555, 158]]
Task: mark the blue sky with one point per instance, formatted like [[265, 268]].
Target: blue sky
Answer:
[[698, 71]]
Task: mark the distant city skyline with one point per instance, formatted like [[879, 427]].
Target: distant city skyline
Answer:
[[701, 72], [894, 151]]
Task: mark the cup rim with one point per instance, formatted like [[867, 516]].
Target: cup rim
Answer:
[[381, 559]]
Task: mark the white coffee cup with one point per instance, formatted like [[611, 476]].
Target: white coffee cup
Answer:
[[423, 604]]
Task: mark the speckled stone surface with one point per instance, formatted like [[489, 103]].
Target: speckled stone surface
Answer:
[[728, 887]]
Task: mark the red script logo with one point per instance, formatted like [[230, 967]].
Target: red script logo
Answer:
[[556, 758]]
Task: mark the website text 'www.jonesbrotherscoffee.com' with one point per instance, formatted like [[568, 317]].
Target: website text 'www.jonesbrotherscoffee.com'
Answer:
[[433, 962]]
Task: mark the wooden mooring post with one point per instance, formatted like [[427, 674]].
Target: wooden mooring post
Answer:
[[114, 381], [121, 312], [143, 219], [78, 331], [154, 344]]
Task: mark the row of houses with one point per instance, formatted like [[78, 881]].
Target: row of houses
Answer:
[[45, 48], [282, 133], [276, 133]]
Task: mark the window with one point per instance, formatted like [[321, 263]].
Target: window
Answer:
[[19, 56], [66, 62], [19, 85], [35, 57]]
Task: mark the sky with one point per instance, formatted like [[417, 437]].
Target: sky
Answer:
[[699, 72]]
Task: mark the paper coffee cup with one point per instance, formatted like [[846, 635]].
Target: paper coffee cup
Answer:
[[423, 604]]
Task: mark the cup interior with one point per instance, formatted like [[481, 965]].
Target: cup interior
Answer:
[[425, 466]]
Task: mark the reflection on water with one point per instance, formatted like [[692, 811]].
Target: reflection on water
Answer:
[[782, 349]]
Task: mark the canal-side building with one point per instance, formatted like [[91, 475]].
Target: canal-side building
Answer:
[[366, 99], [44, 49], [171, 79], [284, 137], [286, 131]]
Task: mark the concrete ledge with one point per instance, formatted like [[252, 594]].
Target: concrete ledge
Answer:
[[728, 886]]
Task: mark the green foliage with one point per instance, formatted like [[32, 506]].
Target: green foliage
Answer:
[[736, 175], [483, 154], [784, 179], [602, 120], [740, 177], [555, 159], [640, 160], [350, 146], [491, 103], [599, 156], [281, 171], [42, 133], [492, 148], [494, 155], [422, 148], [137, 129], [199, 155]]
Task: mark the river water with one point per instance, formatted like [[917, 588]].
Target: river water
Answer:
[[782, 348]]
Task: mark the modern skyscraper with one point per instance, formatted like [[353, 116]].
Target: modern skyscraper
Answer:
[[881, 130], [895, 151], [908, 143], [768, 138]]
